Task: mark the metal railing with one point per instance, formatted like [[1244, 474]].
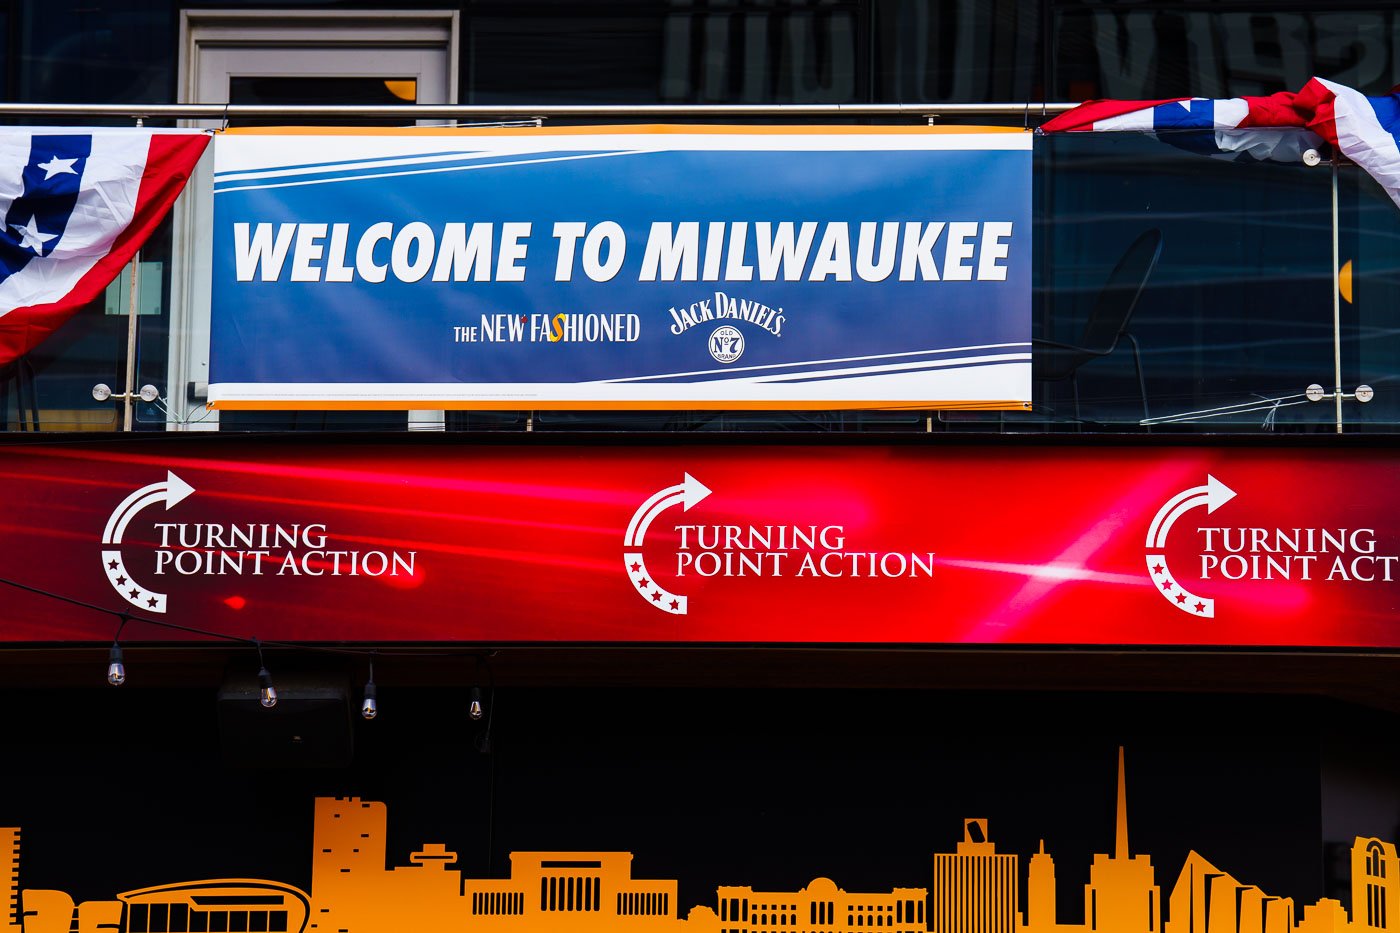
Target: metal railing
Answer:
[[411, 112]]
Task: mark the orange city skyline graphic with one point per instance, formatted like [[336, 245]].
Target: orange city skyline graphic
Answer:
[[974, 889]]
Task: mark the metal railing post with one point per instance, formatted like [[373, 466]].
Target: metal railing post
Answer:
[[1336, 296], [128, 402]]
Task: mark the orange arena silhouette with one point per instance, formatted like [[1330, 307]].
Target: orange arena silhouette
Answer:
[[975, 889]]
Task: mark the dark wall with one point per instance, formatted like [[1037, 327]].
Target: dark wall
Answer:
[[119, 789]]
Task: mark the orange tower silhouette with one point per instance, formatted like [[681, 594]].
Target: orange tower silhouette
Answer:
[[1040, 893], [351, 892], [1375, 886], [9, 872], [1122, 895], [975, 890]]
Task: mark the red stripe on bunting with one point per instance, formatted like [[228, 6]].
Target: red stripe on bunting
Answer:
[[1083, 117], [169, 164], [1280, 109], [1317, 106]]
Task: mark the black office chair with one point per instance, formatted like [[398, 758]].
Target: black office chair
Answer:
[[1052, 361], [20, 374]]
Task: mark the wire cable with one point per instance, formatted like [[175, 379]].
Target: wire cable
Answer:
[[125, 618]]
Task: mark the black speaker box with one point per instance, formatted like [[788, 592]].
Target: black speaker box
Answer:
[[310, 727]]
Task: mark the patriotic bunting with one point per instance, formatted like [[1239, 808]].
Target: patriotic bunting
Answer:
[[77, 205], [1279, 127]]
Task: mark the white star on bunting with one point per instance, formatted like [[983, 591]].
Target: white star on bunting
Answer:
[[31, 238], [57, 166]]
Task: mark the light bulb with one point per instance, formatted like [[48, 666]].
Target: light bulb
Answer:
[[370, 708], [475, 710], [116, 671], [267, 693]]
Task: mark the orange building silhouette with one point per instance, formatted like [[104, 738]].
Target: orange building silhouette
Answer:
[[587, 891], [1208, 900], [225, 904], [54, 912], [1122, 894], [1375, 887], [1326, 916], [821, 907], [9, 872], [1041, 897], [353, 892], [976, 889]]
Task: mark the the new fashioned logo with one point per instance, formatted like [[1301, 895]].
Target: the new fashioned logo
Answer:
[[220, 549], [1306, 554], [769, 550]]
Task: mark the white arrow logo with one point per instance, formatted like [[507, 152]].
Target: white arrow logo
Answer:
[[688, 493], [170, 492], [1212, 495]]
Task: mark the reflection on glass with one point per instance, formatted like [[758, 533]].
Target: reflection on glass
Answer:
[[284, 91], [745, 52], [1153, 50], [1236, 320]]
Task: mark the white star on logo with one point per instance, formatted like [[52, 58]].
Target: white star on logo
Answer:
[[57, 166], [31, 238]]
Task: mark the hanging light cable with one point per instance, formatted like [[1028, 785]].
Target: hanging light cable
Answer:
[[483, 738], [474, 708], [370, 708], [116, 670], [267, 694]]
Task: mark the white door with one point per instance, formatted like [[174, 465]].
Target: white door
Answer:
[[291, 56]]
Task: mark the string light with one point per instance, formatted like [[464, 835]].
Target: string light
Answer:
[[116, 670], [267, 694], [370, 707]]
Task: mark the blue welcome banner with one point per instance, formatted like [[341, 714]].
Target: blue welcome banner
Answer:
[[622, 267]]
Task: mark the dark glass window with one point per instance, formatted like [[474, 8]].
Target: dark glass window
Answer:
[[1229, 48], [112, 51], [747, 51]]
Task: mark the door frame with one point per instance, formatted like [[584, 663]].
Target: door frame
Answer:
[[206, 32]]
